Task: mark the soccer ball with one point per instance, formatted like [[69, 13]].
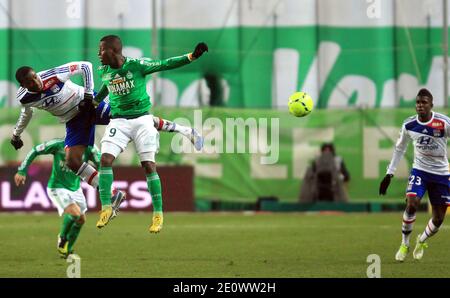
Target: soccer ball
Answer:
[[300, 104]]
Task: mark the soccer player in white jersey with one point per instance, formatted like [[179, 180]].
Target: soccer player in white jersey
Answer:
[[53, 91], [428, 131]]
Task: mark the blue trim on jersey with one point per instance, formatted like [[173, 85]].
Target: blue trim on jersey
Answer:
[[423, 129], [88, 75], [55, 71], [30, 97]]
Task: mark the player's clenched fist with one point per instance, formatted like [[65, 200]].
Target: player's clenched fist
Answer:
[[17, 142], [199, 50]]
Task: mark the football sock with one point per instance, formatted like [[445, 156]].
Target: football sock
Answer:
[[105, 182], [88, 174], [166, 125], [73, 234], [154, 187], [430, 230], [67, 223], [407, 227]]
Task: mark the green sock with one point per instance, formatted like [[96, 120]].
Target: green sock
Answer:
[[105, 181], [73, 234], [66, 225], [154, 187]]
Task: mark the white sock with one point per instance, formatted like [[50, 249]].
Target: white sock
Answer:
[[430, 230], [166, 125], [88, 174], [407, 227]]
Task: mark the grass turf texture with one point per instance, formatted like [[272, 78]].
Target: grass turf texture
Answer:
[[221, 245]]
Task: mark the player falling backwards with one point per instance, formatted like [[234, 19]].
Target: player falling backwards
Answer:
[[428, 131], [63, 189], [53, 91], [124, 79]]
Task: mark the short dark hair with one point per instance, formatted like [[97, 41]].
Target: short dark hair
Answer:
[[22, 73], [425, 92], [112, 40], [329, 146]]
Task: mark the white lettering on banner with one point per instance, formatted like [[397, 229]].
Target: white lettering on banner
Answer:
[[404, 88], [36, 195], [141, 197], [7, 203], [373, 154], [234, 143], [320, 68], [353, 85], [266, 171], [284, 76]]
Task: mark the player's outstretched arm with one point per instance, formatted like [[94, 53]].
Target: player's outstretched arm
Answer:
[[150, 66], [49, 147]]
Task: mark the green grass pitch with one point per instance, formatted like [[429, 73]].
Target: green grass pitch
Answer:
[[230, 245]]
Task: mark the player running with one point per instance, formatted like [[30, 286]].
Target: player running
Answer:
[[63, 189], [53, 91], [124, 79], [428, 131]]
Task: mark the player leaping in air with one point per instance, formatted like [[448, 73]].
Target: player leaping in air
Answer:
[[53, 91], [428, 131], [124, 79]]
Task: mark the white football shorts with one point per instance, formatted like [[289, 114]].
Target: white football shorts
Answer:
[[141, 131], [62, 198]]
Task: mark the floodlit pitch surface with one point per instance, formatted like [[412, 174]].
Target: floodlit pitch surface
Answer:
[[231, 245]]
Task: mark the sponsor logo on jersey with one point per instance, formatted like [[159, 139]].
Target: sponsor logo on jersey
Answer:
[[425, 140], [55, 88], [117, 79], [129, 75], [437, 124], [426, 143], [50, 101], [436, 132], [50, 82], [121, 87], [73, 67]]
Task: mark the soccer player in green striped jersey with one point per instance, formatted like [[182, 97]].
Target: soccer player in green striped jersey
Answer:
[[63, 189], [124, 79]]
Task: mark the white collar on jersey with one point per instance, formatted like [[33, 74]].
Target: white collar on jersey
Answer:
[[428, 122]]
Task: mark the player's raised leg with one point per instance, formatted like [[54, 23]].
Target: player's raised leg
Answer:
[[189, 132]]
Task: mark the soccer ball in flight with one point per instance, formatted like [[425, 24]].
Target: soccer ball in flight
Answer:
[[300, 104]]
